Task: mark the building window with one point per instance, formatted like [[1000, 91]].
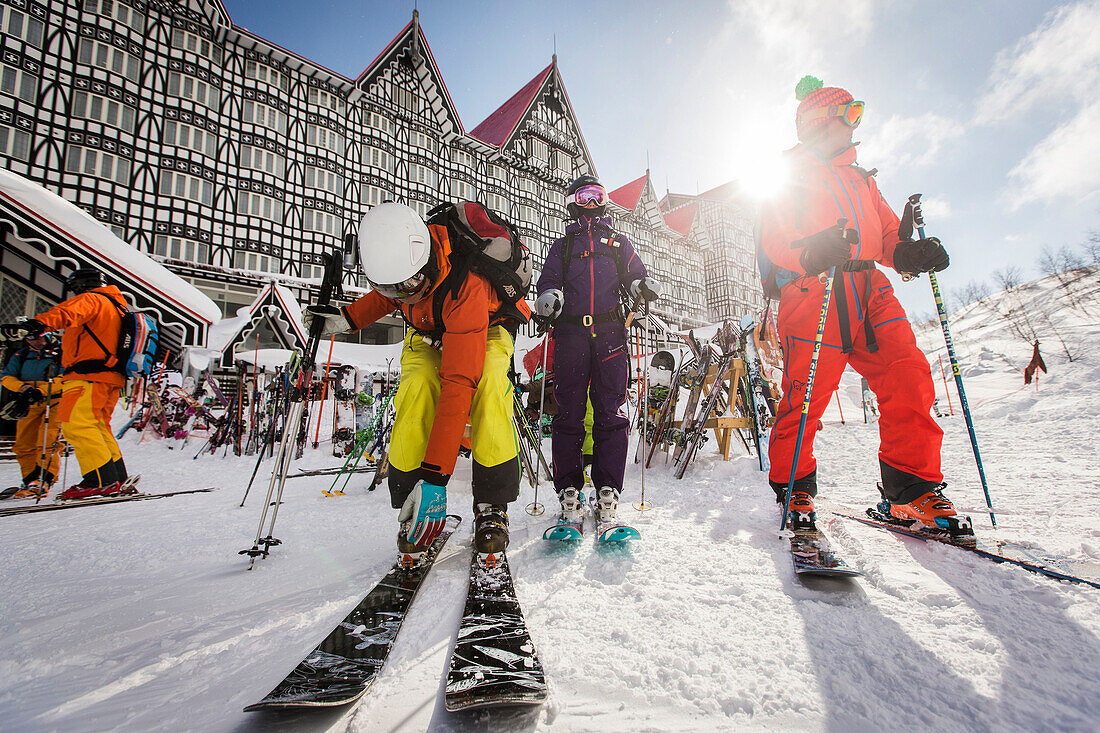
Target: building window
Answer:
[[497, 203], [421, 174], [253, 261], [420, 140], [421, 208], [87, 161], [187, 87], [374, 195], [15, 143], [185, 41], [261, 114], [462, 159], [266, 74], [258, 159], [182, 249], [463, 190], [18, 83], [117, 11], [380, 122], [496, 172], [563, 162], [101, 109], [324, 180], [108, 57], [324, 138], [529, 214], [538, 151], [404, 99], [21, 26], [255, 204], [527, 185], [325, 99], [380, 159], [186, 136], [319, 221], [184, 186]]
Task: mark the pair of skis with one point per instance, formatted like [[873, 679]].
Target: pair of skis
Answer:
[[607, 530], [493, 663], [32, 508]]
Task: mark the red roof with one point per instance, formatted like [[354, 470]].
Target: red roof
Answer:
[[498, 127], [681, 219], [628, 196], [726, 191]]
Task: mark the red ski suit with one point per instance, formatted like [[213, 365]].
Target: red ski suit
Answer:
[[866, 326]]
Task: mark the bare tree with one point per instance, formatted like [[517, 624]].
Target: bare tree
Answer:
[[1008, 277], [1091, 247], [1066, 266]]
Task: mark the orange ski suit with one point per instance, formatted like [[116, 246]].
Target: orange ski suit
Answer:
[[465, 379], [89, 394], [866, 326]]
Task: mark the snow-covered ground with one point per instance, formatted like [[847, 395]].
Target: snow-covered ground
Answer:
[[141, 616]]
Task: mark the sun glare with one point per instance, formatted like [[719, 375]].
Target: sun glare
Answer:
[[763, 175]]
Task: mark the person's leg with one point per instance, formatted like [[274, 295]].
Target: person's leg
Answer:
[[493, 437], [81, 427], [28, 441], [570, 385], [414, 405], [607, 391]]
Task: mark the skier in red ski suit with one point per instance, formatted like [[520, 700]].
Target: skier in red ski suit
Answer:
[[799, 237]]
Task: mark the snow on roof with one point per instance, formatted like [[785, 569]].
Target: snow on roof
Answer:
[[77, 225], [628, 196], [497, 127], [680, 220]]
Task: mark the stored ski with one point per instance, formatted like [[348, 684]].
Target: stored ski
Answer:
[[494, 661], [1077, 571], [813, 555], [30, 509], [365, 467], [343, 666]]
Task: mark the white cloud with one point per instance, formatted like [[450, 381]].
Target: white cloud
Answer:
[[936, 208], [806, 31], [1059, 60], [1065, 164], [906, 142], [1057, 65]]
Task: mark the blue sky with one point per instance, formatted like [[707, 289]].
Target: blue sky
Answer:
[[990, 109]]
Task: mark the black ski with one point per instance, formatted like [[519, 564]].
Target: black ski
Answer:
[[1029, 558], [813, 555], [30, 509], [494, 661], [343, 666]]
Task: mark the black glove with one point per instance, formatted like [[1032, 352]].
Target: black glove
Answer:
[[924, 255], [33, 395], [19, 331], [825, 249]]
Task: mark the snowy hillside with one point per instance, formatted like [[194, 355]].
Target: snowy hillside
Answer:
[[141, 616]]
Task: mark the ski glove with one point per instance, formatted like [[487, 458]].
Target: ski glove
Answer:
[[647, 288], [333, 318], [426, 507], [827, 248], [548, 308], [19, 331], [31, 393], [924, 255]]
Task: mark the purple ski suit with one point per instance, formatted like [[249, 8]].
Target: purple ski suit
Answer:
[[591, 359]]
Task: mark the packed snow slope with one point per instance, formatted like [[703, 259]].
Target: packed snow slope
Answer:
[[141, 616]]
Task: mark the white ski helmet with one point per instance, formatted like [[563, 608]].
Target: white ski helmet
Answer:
[[394, 248]]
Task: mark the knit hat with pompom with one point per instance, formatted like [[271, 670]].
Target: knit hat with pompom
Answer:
[[812, 94]]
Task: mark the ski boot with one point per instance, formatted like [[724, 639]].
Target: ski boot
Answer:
[[801, 516], [34, 489], [409, 555], [572, 505], [607, 502], [931, 510], [79, 492], [490, 533]]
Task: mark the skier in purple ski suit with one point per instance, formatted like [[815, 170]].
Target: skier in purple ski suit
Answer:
[[579, 293]]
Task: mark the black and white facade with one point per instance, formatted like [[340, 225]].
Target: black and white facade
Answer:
[[235, 161]]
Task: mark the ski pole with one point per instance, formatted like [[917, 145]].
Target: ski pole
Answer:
[[946, 391], [534, 508], [837, 395], [810, 383], [643, 408], [324, 393], [941, 309]]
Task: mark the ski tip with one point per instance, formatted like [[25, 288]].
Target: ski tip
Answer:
[[619, 534], [562, 532]]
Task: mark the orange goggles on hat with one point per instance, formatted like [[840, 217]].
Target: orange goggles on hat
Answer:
[[851, 113]]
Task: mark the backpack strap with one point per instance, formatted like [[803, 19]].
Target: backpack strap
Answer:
[[88, 366]]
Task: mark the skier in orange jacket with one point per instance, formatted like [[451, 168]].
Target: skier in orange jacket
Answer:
[[91, 321], [831, 214]]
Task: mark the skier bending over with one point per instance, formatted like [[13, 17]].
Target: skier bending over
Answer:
[[579, 293], [798, 239], [453, 370]]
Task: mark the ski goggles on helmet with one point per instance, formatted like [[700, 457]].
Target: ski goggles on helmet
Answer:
[[588, 196], [851, 113], [409, 291]]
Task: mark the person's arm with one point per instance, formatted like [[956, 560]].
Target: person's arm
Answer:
[[10, 378], [633, 267], [368, 309], [76, 311], [466, 324], [778, 235], [552, 275]]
